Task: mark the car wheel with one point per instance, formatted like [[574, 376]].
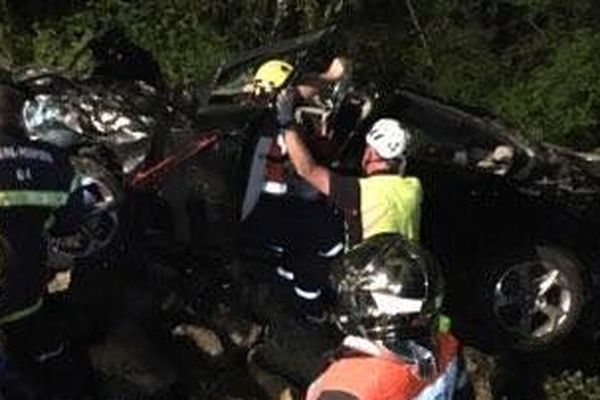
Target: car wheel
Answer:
[[534, 298], [92, 237], [98, 223]]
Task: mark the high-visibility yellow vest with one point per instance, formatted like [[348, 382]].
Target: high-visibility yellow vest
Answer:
[[391, 204]]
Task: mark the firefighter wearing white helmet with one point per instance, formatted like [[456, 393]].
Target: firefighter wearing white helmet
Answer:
[[383, 201], [388, 138]]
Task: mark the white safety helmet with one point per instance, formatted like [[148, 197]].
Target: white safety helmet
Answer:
[[388, 138]]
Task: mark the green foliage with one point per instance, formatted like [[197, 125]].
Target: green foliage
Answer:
[[14, 47], [57, 46], [185, 47], [456, 75], [560, 96], [533, 62]]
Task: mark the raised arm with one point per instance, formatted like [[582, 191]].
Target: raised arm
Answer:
[[304, 163]]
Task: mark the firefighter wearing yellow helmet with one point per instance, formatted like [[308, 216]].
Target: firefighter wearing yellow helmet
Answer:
[[271, 75]]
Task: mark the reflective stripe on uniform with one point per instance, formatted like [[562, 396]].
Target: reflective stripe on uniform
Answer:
[[40, 198], [332, 252], [276, 188], [285, 273], [17, 315], [41, 358], [306, 294], [276, 249]]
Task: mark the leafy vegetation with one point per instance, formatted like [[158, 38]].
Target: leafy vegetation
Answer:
[[532, 62]]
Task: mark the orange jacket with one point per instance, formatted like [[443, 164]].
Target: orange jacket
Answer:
[[374, 378]]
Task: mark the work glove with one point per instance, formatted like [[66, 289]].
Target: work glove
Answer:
[[60, 282], [285, 105]]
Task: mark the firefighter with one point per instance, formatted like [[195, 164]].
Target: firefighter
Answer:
[[389, 294], [293, 219], [383, 201], [35, 181]]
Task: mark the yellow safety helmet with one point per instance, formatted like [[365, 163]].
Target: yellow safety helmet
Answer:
[[271, 75]]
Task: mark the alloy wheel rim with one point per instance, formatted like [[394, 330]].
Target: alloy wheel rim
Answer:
[[532, 299]]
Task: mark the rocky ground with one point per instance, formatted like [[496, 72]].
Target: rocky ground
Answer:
[[132, 367], [142, 361], [135, 364], [567, 372]]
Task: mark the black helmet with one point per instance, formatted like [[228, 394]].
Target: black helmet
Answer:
[[388, 290]]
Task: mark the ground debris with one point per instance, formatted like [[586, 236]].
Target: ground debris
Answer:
[[128, 355], [572, 385], [480, 368], [205, 339]]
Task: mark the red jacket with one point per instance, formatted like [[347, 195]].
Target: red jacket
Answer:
[[374, 378]]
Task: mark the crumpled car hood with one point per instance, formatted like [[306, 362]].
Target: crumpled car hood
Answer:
[[121, 119], [483, 144]]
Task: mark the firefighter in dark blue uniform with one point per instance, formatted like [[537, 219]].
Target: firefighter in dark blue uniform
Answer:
[[35, 181], [291, 218]]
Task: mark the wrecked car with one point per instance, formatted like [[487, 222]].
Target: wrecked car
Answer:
[[512, 220]]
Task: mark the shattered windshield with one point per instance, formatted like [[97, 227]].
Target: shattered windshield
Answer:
[[234, 77], [237, 83]]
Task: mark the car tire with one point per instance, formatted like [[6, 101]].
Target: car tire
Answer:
[[533, 297], [97, 233]]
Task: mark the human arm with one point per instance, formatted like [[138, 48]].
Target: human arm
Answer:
[[304, 163], [336, 70]]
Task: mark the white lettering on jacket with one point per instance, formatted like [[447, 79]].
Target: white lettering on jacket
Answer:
[[28, 153]]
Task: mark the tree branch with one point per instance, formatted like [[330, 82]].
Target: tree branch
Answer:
[[420, 32], [282, 11], [536, 27]]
